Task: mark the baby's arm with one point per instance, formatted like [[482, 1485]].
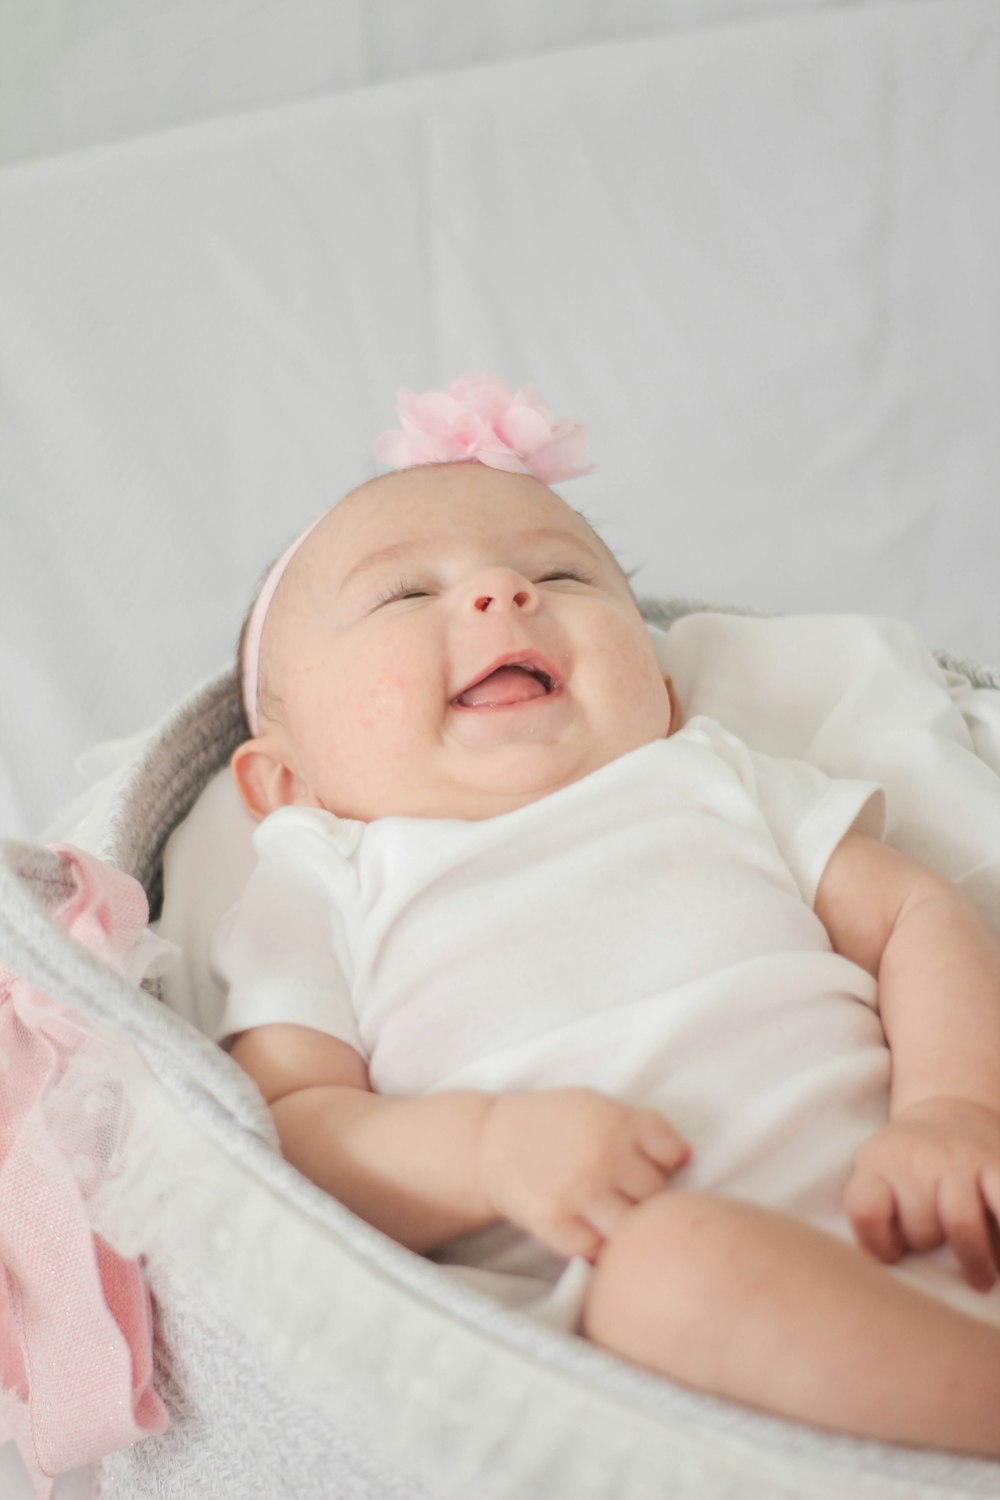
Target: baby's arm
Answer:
[[933, 1174], [564, 1164]]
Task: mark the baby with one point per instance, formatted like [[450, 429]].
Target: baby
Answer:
[[540, 979]]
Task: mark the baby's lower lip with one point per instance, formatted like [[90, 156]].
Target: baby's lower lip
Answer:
[[496, 708]]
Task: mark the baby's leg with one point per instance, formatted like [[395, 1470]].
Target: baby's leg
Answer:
[[759, 1308]]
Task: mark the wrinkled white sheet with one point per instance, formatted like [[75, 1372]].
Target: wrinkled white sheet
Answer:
[[760, 259], [80, 72]]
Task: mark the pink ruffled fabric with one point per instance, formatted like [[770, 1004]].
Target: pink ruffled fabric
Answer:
[[75, 1317], [479, 418]]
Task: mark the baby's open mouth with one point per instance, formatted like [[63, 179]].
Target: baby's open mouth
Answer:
[[513, 682]]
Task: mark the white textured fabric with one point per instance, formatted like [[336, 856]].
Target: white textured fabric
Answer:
[[15, 1484]]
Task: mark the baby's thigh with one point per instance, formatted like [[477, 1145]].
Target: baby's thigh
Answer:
[[706, 1288], [732, 1298], [663, 1285]]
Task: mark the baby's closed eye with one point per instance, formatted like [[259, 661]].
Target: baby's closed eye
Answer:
[[558, 575], [402, 589]]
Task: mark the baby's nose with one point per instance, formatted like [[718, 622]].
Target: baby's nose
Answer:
[[501, 589]]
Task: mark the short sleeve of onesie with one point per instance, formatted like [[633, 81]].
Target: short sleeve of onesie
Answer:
[[807, 812], [282, 953]]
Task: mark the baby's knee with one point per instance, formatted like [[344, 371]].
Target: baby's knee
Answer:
[[668, 1266]]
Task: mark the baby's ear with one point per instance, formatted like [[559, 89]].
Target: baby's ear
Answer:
[[263, 779]]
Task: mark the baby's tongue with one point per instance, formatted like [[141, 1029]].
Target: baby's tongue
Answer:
[[505, 685]]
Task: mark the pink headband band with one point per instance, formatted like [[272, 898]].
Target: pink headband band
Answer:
[[255, 627], [477, 418]]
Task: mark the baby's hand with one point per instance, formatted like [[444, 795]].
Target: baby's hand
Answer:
[[567, 1164], [931, 1176]]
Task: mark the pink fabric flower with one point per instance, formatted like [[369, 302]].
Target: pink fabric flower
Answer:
[[479, 418]]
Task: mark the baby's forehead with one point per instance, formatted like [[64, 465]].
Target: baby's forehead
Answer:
[[432, 508]]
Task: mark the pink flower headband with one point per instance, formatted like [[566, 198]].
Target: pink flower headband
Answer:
[[477, 418]]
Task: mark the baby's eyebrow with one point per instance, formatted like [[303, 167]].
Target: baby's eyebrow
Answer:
[[397, 552], [394, 552]]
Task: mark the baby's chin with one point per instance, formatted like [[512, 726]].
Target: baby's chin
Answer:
[[482, 781], [516, 774]]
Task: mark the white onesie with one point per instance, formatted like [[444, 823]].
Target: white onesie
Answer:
[[647, 930]]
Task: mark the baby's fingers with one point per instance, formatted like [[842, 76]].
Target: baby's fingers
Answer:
[[572, 1237], [639, 1178], [965, 1220], [605, 1213], [660, 1141], [871, 1207], [989, 1186]]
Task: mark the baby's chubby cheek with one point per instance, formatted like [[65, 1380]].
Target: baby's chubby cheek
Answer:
[[630, 676], [363, 749], [385, 714]]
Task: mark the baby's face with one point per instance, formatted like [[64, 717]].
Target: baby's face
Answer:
[[451, 641]]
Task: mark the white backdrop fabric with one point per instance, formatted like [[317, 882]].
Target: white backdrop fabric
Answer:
[[759, 258], [77, 72]]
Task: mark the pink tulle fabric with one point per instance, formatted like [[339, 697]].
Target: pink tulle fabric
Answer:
[[75, 1316], [477, 417]]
